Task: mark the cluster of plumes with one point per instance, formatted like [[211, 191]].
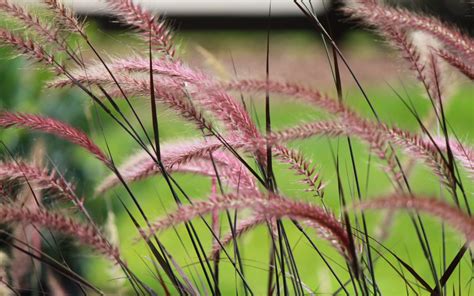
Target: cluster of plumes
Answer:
[[37, 180], [41, 40], [23, 205], [397, 24], [230, 136]]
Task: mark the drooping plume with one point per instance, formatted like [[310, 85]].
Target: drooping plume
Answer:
[[435, 207], [54, 127]]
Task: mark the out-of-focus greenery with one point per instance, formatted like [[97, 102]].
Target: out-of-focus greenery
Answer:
[[22, 88]]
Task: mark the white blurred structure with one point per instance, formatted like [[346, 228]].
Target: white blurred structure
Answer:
[[199, 7]]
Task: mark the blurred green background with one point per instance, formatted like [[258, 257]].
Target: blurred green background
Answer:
[[296, 56]]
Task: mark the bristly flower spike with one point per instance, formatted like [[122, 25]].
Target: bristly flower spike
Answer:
[[54, 127]]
